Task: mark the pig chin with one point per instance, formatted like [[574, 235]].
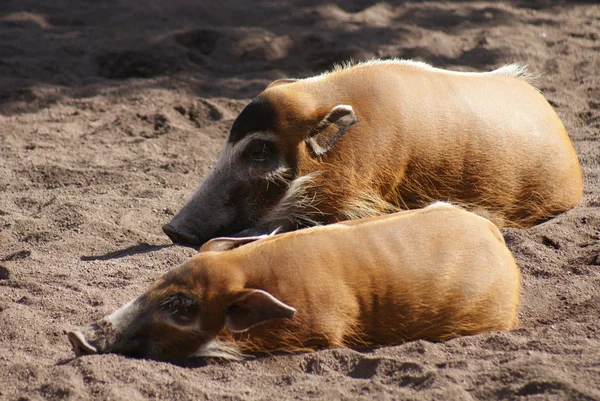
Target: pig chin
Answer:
[[186, 231], [178, 236], [193, 226]]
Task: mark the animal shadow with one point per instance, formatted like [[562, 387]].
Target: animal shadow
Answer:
[[140, 248]]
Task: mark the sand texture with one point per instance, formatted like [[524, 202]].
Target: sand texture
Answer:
[[112, 112]]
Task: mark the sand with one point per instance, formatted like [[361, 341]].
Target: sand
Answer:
[[112, 112]]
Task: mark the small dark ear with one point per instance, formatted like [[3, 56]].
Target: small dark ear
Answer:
[[226, 243], [280, 82], [325, 134], [251, 307]]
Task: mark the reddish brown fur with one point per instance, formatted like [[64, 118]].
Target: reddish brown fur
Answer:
[[433, 274], [488, 141], [383, 136]]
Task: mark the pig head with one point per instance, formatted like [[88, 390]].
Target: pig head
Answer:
[[182, 312], [274, 134]]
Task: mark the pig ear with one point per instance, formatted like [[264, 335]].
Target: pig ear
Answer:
[[251, 307], [280, 82], [329, 129], [227, 243]]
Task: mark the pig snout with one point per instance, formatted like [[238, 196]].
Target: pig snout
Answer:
[[80, 345], [180, 237], [91, 339]]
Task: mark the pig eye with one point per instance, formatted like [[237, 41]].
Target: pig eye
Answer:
[[261, 151], [180, 309], [182, 317]]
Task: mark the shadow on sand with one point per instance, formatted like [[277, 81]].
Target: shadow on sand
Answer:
[[142, 247]]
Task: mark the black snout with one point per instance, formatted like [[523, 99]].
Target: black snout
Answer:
[[80, 345], [179, 237]]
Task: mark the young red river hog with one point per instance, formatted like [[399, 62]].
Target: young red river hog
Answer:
[[381, 136], [432, 274]]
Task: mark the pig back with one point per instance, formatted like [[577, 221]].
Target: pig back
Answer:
[[484, 139], [432, 273]]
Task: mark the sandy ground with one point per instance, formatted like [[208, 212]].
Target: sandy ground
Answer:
[[112, 112]]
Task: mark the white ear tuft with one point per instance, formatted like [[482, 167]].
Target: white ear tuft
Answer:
[[342, 108], [322, 137]]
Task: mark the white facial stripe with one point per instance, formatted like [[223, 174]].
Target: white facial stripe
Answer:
[[123, 317], [230, 152], [217, 349], [240, 145], [125, 314]]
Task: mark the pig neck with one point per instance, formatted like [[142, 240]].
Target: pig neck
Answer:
[[362, 188], [261, 266], [255, 265], [245, 267]]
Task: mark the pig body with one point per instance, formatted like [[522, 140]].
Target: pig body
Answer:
[[379, 137], [433, 274]]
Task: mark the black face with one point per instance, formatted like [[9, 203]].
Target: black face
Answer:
[[258, 179], [171, 333], [258, 116], [252, 174], [261, 157], [129, 339]]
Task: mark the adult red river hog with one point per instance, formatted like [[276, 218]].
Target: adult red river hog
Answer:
[[381, 136], [432, 274]]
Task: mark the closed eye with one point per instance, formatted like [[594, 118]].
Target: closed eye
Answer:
[[261, 151], [182, 317], [261, 154], [180, 309]]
